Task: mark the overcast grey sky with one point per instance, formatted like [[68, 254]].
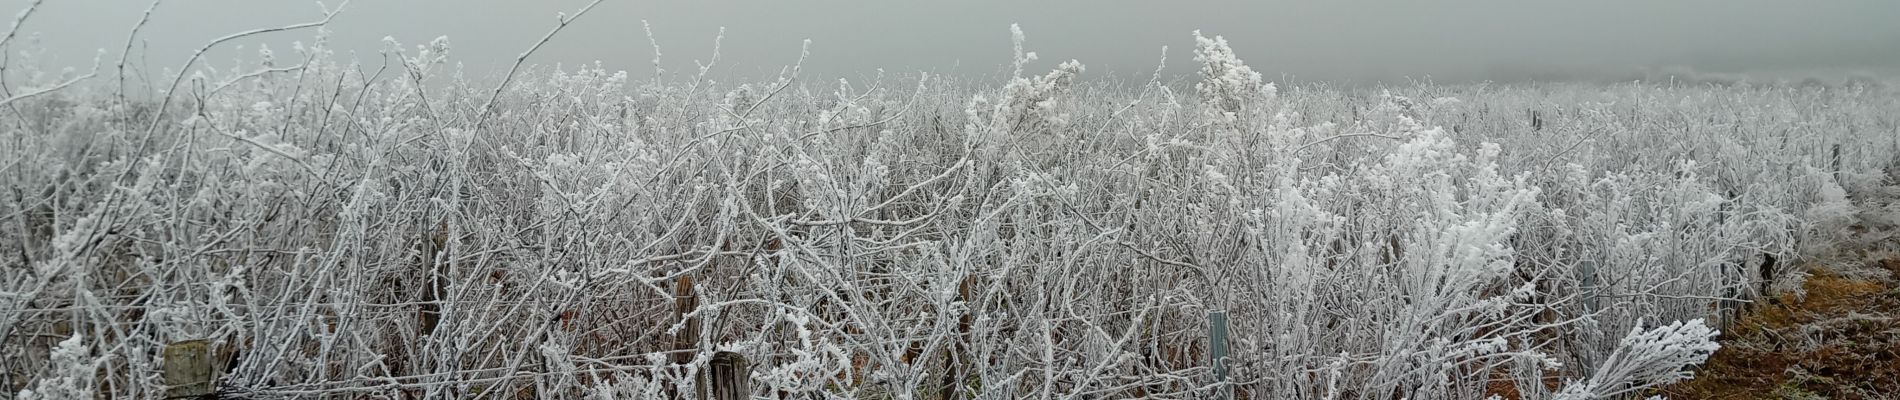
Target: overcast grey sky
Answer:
[[1323, 40]]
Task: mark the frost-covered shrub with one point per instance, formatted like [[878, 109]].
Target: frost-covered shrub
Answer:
[[73, 375], [1227, 83], [1028, 109], [1646, 359]]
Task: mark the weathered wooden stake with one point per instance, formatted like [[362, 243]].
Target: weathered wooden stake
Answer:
[[730, 375], [1217, 350], [685, 300], [1837, 164], [953, 356], [188, 373]]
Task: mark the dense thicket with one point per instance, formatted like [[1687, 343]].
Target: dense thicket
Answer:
[[386, 227]]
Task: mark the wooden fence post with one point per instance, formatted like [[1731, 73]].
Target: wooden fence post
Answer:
[[1837, 165], [954, 356], [730, 375], [188, 373], [685, 301]]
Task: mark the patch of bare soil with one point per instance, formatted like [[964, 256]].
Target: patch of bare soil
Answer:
[[1842, 341]]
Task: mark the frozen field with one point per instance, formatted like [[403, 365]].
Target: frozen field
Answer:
[[365, 228]]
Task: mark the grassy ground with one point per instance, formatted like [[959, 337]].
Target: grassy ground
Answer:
[[1837, 338]]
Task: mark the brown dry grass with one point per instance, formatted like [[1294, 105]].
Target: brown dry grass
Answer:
[[1504, 388], [1840, 341]]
